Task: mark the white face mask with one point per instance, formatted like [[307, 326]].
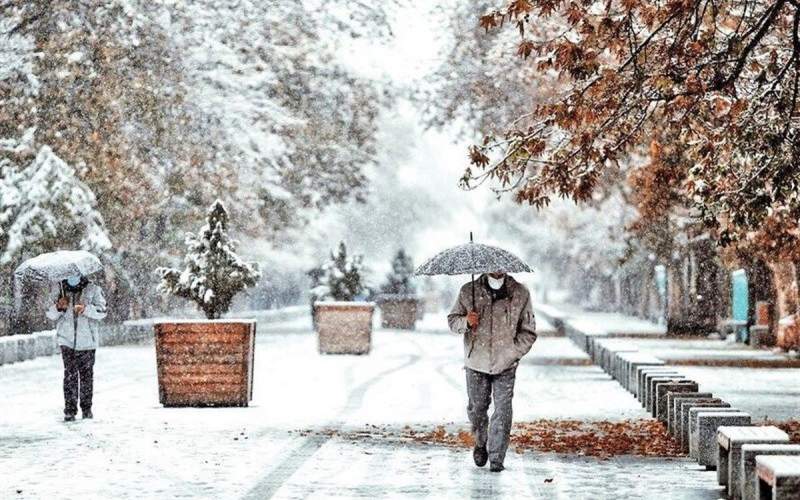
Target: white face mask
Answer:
[[495, 283]]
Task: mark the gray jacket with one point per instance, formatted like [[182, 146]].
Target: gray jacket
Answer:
[[506, 330], [83, 334]]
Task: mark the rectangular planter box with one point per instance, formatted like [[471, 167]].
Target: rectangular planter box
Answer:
[[205, 363], [344, 327], [398, 311]]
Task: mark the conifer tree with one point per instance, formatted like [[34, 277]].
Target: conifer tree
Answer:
[[213, 273], [399, 280]]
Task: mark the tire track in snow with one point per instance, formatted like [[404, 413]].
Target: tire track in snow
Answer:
[[283, 471]]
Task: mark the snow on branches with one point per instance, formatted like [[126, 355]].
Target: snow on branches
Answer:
[[716, 83], [340, 279], [399, 280], [44, 206], [213, 274]]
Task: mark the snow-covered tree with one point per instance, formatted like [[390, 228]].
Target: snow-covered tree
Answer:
[[213, 274], [398, 281], [44, 207], [341, 278]]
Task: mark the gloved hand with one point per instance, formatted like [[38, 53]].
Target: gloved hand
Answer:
[[62, 303], [473, 319]]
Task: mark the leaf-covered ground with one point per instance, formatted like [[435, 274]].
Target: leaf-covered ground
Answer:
[[598, 438]]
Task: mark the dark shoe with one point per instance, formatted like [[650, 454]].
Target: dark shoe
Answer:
[[88, 414], [496, 467], [480, 455], [69, 418]]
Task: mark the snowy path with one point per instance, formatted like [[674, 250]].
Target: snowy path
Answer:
[[136, 449]]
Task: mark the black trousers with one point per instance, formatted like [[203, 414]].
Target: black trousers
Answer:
[[78, 379]]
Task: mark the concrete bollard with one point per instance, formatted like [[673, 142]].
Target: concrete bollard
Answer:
[[8, 350], [641, 385], [673, 407], [26, 347], [633, 364], [662, 391], [683, 420], [704, 436], [46, 343], [748, 480], [650, 396]]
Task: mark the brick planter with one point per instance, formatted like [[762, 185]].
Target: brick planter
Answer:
[[398, 311], [344, 327], [205, 363]]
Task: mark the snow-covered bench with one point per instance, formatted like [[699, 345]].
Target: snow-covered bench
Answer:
[[729, 451], [748, 481], [778, 477]]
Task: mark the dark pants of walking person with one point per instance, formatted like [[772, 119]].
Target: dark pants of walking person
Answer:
[[481, 389], [78, 380]]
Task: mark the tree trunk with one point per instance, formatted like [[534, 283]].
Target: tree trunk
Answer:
[[784, 276]]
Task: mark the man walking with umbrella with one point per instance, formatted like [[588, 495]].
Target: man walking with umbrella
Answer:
[[498, 330], [494, 315]]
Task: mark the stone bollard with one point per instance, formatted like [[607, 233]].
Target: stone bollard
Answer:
[[633, 364], [650, 396], [729, 457], [46, 343], [26, 345], [662, 391], [748, 480], [703, 436], [8, 350], [653, 371], [710, 404], [673, 407], [690, 425]]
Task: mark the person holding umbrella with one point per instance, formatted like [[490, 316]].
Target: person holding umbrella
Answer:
[[494, 315], [76, 305]]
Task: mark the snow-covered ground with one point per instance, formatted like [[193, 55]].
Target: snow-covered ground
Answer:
[[134, 448]]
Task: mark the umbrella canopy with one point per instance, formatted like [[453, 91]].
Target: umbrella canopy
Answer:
[[54, 266], [473, 258]]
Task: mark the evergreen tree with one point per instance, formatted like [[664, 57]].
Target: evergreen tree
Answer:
[[342, 277], [45, 207], [213, 273], [399, 280]]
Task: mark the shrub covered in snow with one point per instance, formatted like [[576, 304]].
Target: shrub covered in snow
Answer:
[[213, 273], [340, 279], [399, 280]]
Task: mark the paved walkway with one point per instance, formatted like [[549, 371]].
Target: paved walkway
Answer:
[[136, 449]]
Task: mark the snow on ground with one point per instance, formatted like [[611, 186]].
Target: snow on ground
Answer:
[[136, 449]]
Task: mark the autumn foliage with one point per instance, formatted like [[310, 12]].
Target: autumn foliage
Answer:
[[711, 87]]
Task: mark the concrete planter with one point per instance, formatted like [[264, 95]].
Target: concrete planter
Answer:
[[398, 311], [205, 363], [344, 327]]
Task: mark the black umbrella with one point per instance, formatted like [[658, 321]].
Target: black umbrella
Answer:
[[473, 258]]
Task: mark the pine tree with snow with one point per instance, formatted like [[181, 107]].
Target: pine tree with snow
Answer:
[[342, 277], [213, 273], [45, 206], [399, 280]]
